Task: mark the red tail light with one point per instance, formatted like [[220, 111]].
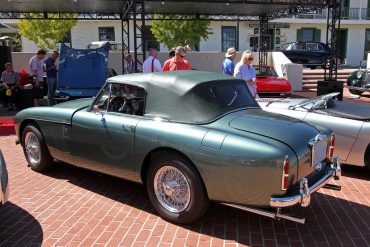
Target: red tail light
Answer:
[[285, 176], [331, 146]]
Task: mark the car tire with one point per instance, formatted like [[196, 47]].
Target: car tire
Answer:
[[356, 92], [180, 205], [35, 150]]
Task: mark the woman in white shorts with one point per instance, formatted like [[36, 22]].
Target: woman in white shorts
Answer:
[[245, 70]]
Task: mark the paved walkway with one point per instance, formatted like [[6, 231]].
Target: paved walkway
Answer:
[[68, 206]]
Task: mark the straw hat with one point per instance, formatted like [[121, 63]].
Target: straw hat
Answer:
[[230, 52]]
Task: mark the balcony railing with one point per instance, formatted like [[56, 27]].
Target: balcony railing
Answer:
[[347, 14]]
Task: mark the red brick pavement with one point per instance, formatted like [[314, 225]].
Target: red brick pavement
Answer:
[[68, 206]]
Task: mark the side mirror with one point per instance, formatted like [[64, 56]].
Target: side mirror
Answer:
[[97, 111]]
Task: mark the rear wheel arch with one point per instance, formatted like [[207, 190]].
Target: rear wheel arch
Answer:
[[155, 153]]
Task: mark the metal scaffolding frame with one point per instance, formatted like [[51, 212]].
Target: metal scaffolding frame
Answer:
[[132, 12], [332, 39], [264, 39]]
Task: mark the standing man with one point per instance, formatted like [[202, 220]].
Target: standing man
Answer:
[[10, 80], [178, 62], [51, 76], [152, 63], [37, 74], [228, 64]]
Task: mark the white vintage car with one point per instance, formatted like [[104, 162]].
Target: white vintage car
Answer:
[[350, 122]]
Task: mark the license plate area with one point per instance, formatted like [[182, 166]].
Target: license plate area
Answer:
[[319, 148]]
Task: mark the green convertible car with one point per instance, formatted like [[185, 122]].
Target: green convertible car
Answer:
[[189, 137]]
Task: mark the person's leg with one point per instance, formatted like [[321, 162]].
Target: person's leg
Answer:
[[52, 90], [50, 83]]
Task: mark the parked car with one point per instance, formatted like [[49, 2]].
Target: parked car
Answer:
[[189, 137], [82, 72], [310, 54], [359, 81], [350, 122], [4, 182], [270, 84], [113, 46]]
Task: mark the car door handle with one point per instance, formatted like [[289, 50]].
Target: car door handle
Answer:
[[130, 128]]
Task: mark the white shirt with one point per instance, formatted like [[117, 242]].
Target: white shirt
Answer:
[[147, 65], [244, 72], [37, 64]]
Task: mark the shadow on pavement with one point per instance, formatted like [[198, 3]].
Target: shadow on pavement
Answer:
[[18, 227], [329, 219]]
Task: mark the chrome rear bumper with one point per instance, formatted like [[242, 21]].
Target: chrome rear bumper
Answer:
[[364, 89], [304, 196]]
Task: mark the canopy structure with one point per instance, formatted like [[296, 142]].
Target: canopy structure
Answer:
[[135, 12], [212, 7]]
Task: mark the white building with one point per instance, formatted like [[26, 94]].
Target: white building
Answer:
[[354, 41]]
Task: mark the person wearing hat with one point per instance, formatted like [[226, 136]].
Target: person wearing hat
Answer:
[[228, 64], [178, 62], [10, 80]]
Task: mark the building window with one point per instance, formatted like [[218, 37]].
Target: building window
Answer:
[[228, 35], [150, 40], [106, 34], [367, 43], [309, 34]]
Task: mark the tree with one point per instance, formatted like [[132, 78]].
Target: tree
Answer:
[[176, 30], [46, 32]]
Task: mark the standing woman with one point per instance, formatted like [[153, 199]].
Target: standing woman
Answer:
[[245, 70]]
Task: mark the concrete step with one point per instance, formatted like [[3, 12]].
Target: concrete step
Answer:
[[310, 77]]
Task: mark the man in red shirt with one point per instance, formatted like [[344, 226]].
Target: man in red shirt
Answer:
[[178, 62]]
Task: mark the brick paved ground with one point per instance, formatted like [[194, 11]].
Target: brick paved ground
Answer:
[[68, 206]]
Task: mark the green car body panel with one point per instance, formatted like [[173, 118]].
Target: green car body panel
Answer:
[[239, 154]]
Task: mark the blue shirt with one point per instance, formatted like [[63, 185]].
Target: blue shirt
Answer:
[[48, 64], [228, 67]]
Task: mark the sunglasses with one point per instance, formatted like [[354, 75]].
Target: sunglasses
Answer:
[[182, 56], [251, 58]]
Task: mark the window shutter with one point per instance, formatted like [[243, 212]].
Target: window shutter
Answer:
[[299, 35], [317, 35]]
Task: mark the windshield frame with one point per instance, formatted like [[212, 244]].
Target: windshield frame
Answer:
[[313, 101]]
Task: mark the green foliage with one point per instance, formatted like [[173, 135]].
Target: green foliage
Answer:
[[17, 43], [175, 30], [46, 32]]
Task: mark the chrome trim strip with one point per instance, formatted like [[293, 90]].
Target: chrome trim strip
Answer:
[[303, 199], [359, 88]]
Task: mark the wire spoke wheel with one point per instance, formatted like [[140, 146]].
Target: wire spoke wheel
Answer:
[[33, 148], [172, 189]]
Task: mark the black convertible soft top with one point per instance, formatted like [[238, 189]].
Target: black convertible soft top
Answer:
[[189, 96]]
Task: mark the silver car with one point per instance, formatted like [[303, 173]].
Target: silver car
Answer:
[[4, 185], [350, 122]]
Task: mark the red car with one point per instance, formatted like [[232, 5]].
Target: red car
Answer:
[[269, 83]]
